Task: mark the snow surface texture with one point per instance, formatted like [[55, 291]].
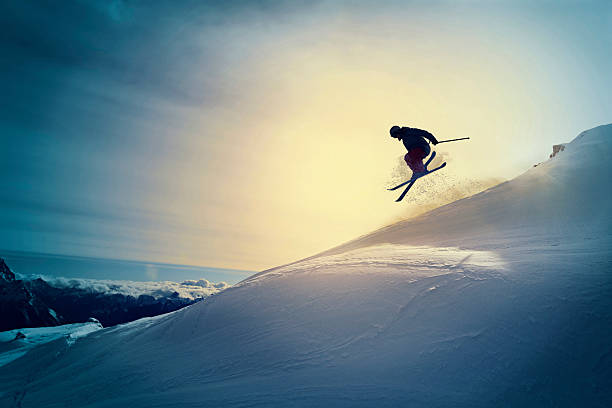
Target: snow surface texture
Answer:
[[509, 304], [189, 289], [13, 347]]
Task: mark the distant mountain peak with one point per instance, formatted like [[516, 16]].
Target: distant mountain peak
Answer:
[[5, 272], [557, 149]]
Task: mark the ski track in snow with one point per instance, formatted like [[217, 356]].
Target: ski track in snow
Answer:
[[411, 263]]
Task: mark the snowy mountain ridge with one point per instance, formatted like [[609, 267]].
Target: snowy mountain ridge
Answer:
[[501, 299], [31, 301], [19, 306]]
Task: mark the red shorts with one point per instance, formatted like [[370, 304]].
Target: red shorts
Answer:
[[414, 159]]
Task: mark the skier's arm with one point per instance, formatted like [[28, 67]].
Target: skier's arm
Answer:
[[425, 134], [431, 137]]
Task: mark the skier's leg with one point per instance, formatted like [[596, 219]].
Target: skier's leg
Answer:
[[407, 160], [411, 163], [426, 149], [414, 159]]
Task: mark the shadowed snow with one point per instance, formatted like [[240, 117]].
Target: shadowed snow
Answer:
[[12, 348]]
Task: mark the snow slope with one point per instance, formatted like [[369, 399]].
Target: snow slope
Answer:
[[16, 343], [566, 197], [500, 299]]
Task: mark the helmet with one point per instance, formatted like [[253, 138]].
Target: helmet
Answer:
[[394, 131]]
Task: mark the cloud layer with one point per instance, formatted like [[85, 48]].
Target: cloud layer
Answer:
[[189, 289]]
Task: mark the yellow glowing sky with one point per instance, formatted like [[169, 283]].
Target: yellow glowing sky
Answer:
[[296, 159]]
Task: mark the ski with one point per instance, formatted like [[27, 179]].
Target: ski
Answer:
[[411, 181], [403, 184], [430, 159], [401, 197], [416, 178]]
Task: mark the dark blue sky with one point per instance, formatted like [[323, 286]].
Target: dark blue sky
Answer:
[[90, 94]]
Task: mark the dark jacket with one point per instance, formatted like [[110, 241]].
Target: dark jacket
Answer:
[[413, 137]]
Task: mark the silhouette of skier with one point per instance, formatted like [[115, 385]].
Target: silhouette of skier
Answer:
[[418, 148]]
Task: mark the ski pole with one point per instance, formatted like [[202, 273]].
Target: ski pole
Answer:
[[452, 140]]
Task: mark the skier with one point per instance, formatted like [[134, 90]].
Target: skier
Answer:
[[418, 148]]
